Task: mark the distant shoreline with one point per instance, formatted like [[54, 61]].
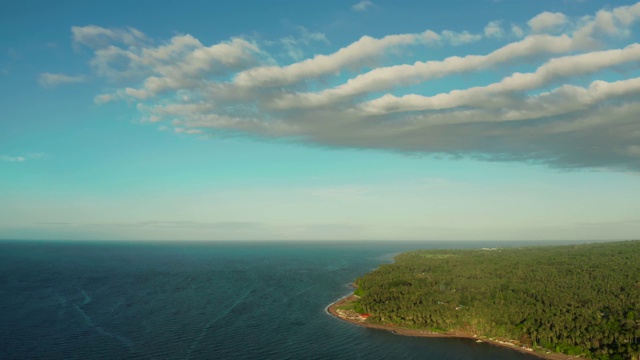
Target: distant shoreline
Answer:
[[333, 310]]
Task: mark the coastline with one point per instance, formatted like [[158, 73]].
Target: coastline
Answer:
[[333, 310]]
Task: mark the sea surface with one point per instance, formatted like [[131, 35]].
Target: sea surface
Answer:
[[152, 300]]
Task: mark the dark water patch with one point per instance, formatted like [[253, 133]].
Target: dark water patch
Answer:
[[199, 301]]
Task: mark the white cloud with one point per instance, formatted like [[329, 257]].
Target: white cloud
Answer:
[[492, 108], [547, 21], [104, 98], [384, 78], [362, 5], [168, 66], [552, 71], [320, 65], [546, 115], [616, 22], [493, 30], [355, 54], [460, 38], [50, 79], [388, 77]]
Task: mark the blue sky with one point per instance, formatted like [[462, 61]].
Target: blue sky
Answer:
[[302, 120]]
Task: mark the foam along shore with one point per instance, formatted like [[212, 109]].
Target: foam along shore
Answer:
[[341, 309]]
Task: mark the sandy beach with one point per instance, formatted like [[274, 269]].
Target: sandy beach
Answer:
[[333, 310]]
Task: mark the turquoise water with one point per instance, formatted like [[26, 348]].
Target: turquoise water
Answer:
[[200, 301]]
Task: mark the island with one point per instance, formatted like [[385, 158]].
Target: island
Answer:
[[556, 302]]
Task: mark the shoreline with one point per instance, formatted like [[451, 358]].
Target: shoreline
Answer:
[[333, 310]]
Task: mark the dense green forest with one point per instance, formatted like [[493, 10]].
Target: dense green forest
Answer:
[[578, 299]]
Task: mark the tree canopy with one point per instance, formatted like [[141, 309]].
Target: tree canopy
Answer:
[[577, 299]]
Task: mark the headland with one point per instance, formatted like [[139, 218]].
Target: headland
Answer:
[[341, 310]]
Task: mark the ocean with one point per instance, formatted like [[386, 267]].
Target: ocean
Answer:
[[187, 300]]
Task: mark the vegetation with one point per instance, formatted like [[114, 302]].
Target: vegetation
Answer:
[[353, 306], [578, 300]]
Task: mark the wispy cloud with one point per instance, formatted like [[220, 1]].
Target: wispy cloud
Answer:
[[22, 158], [98, 37], [362, 5], [50, 79], [562, 111], [294, 44], [7, 158]]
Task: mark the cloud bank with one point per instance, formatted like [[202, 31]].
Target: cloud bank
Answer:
[[572, 103]]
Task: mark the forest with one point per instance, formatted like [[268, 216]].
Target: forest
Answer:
[[578, 300]]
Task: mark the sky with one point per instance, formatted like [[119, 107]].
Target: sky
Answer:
[[320, 120]]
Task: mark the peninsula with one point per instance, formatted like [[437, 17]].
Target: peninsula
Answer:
[[555, 302]]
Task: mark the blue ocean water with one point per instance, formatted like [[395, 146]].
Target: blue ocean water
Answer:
[[72, 300]]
